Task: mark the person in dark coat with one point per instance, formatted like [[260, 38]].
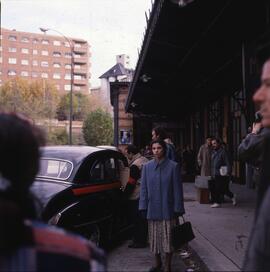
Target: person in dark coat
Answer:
[[258, 251], [251, 149], [219, 184], [161, 200], [160, 133]]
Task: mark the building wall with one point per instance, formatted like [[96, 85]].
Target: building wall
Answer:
[[125, 120], [35, 57]]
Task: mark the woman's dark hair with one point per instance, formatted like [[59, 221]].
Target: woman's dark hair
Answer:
[[160, 132], [132, 149], [19, 163], [162, 143]]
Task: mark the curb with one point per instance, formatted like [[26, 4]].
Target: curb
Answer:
[[213, 258]]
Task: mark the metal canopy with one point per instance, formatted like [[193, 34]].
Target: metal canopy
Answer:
[[192, 55]]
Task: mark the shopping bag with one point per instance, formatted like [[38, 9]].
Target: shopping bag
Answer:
[[182, 234]]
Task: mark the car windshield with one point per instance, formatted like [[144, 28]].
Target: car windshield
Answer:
[[55, 168]]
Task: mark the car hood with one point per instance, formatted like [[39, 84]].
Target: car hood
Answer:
[[44, 191]]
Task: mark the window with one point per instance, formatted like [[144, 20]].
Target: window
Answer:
[[44, 64], [44, 75], [44, 53], [68, 66], [12, 38], [77, 56], [35, 63], [12, 61], [35, 52], [56, 76], [12, 49], [11, 72], [35, 40], [56, 54], [77, 45], [34, 74], [57, 43], [57, 87], [24, 73], [67, 76], [25, 50], [51, 168], [68, 55], [79, 77], [77, 66], [67, 44], [24, 62], [77, 88], [110, 171], [25, 39], [97, 172], [56, 65], [67, 87], [45, 41]]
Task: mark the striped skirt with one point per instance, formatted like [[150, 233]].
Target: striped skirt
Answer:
[[160, 235]]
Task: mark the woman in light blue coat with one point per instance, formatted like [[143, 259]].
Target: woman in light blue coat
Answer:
[[161, 201]]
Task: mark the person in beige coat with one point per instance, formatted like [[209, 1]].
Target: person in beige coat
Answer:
[[204, 157]]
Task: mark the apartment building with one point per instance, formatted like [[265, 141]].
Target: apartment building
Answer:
[[42, 56]]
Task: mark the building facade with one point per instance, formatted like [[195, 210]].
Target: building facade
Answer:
[[41, 56], [199, 79]]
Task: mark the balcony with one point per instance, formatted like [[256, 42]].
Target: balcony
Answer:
[[81, 82], [82, 60]]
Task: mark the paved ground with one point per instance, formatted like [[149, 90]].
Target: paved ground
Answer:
[[221, 233], [221, 236], [123, 258]]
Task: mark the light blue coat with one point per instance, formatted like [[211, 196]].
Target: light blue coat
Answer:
[[161, 190]]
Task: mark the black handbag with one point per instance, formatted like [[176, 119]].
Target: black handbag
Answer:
[[182, 234]]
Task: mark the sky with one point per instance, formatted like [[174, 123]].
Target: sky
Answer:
[[111, 27]]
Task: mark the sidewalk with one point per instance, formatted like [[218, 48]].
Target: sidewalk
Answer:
[[221, 233], [123, 258]]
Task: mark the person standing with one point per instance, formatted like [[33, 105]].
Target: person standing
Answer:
[[160, 133], [257, 257], [220, 173], [25, 243], [161, 202], [132, 192], [204, 157]]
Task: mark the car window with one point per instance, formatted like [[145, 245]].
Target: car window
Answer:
[[52, 168], [111, 172], [97, 172]]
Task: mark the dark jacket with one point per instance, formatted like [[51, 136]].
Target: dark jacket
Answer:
[[251, 148], [258, 251], [219, 158]]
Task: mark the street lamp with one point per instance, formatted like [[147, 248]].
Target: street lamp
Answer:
[[71, 45]]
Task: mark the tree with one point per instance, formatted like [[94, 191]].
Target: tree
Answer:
[[80, 105], [98, 128], [35, 99]]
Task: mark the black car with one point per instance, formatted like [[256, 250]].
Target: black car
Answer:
[[79, 189]]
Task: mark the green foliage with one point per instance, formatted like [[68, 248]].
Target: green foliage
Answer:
[[57, 137], [35, 99], [80, 106], [98, 128]]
